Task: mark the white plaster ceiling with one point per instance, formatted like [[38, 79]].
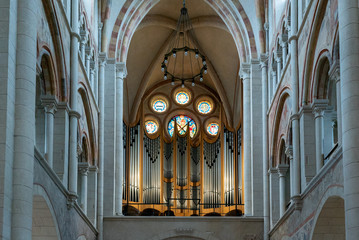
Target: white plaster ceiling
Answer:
[[215, 42]]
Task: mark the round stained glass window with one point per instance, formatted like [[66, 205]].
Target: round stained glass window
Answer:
[[182, 98], [213, 129], [159, 106], [183, 123], [151, 127], [204, 107]]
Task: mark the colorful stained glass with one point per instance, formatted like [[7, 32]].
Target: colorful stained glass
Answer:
[[159, 106], [183, 123], [151, 127], [182, 98], [213, 128], [204, 107]]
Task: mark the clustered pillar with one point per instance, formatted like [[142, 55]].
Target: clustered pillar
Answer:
[[121, 73], [24, 133], [348, 11], [74, 115], [247, 140]]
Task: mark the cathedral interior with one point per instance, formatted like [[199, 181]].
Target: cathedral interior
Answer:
[[179, 119]]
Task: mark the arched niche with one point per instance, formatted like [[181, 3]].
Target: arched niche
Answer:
[[44, 223]]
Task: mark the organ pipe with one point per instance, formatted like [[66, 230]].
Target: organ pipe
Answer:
[[134, 170], [151, 163]]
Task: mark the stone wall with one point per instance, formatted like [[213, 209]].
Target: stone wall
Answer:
[[156, 228]]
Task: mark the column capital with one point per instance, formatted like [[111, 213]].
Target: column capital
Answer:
[[245, 71], [289, 152], [282, 169], [121, 70], [294, 117], [89, 51], [278, 55], [318, 106], [83, 36], [102, 58], [293, 37], [284, 39], [49, 102], [76, 35], [272, 170], [75, 114], [84, 168], [93, 169], [264, 60], [334, 72]]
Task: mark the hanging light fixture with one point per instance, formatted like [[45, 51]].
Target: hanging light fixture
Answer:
[[183, 61]]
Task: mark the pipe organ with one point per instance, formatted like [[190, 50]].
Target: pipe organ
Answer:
[[134, 164], [124, 181], [211, 174], [183, 175], [228, 160], [151, 170]]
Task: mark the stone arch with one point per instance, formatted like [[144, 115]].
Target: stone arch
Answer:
[[58, 59], [133, 11], [44, 222], [330, 210], [280, 130], [319, 87], [48, 76], [310, 51], [91, 137]]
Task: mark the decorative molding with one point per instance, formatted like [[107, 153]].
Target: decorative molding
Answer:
[[75, 114], [245, 71], [102, 57], [121, 70]]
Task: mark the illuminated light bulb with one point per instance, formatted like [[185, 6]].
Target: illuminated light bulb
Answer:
[[165, 77], [201, 79], [173, 83], [204, 62], [205, 71], [166, 60], [186, 53], [174, 55], [193, 84]]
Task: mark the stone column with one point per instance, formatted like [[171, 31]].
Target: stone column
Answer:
[[92, 81], [121, 73], [24, 121], [282, 171], [245, 75], [334, 75], [50, 105], [279, 67], [295, 97], [92, 194], [284, 46], [264, 66], [88, 62], [348, 12], [83, 45], [74, 115], [289, 154], [83, 170], [273, 196], [318, 110], [274, 83], [101, 103]]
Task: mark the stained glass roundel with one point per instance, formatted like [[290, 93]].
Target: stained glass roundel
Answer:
[[204, 107], [213, 128], [182, 98], [183, 123], [151, 127], [159, 106]]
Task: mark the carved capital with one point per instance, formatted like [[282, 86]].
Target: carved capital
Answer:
[[102, 58], [49, 103], [264, 60], [282, 170], [334, 72], [71, 200], [121, 70], [289, 152], [319, 106], [84, 168], [245, 72]]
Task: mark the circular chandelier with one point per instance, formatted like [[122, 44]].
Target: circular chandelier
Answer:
[[183, 61]]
